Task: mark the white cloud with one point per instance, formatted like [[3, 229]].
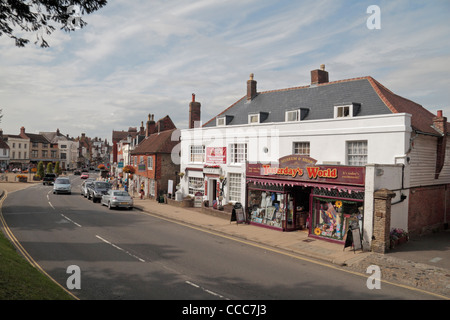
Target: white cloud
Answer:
[[141, 57]]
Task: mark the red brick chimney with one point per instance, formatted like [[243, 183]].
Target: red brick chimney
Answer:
[[22, 133], [194, 113], [319, 76], [151, 126], [251, 88], [440, 124]]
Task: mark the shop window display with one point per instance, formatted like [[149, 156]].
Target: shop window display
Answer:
[[332, 217], [267, 207]]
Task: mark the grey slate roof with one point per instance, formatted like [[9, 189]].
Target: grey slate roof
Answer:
[[319, 100]]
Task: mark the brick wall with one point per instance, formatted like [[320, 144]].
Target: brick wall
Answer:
[[426, 209], [382, 220]]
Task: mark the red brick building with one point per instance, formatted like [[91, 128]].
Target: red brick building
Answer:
[[152, 158]]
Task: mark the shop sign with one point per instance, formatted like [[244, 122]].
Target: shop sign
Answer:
[[303, 168], [216, 155], [215, 169], [198, 199]]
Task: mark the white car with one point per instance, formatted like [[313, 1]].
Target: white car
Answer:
[[117, 199], [62, 185]]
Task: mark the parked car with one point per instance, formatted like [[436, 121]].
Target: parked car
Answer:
[[97, 189], [62, 185], [84, 175], [84, 187], [117, 199], [77, 172], [49, 178]]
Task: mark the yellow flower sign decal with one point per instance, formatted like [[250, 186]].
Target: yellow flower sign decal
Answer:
[[317, 231], [338, 204]]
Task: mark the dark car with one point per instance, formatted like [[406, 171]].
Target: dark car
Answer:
[[49, 178], [97, 189]]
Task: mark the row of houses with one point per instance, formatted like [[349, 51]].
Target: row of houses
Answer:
[[312, 156], [25, 150]]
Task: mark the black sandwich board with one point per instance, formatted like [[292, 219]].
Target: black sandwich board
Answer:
[[353, 238], [238, 214]]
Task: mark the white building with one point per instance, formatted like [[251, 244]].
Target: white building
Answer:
[[68, 149], [355, 135], [18, 156]]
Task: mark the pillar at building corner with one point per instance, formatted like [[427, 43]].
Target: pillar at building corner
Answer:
[[382, 220]]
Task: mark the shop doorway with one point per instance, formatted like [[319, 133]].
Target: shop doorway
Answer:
[[298, 208], [212, 183]]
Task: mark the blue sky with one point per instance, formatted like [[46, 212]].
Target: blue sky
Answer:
[[141, 57]]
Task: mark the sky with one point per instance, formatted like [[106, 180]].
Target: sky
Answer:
[[138, 57]]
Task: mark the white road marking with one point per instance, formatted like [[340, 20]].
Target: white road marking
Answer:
[[119, 248], [71, 221], [206, 290]]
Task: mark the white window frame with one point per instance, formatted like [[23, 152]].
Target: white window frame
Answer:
[[339, 111], [357, 152], [289, 112], [234, 187], [151, 187], [250, 116], [198, 156], [150, 162], [196, 184], [300, 147], [238, 153], [221, 122]]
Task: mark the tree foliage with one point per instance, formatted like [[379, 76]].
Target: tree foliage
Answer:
[[40, 170], [41, 16], [57, 168], [49, 168]]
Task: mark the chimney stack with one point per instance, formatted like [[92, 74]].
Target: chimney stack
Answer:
[[251, 88], [194, 113], [22, 133], [151, 127], [440, 124], [319, 76]]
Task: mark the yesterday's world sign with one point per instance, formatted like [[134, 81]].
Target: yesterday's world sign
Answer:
[[304, 168]]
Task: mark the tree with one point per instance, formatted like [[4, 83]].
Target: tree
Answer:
[[57, 168], [49, 168], [40, 170], [39, 16]]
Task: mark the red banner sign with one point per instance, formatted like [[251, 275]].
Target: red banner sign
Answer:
[[303, 168], [216, 155]]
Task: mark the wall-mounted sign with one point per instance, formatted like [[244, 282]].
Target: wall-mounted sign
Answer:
[[303, 168], [216, 155], [215, 170]]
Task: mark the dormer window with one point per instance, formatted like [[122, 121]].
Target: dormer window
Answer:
[[292, 115], [348, 110], [220, 122], [253, 118], [223, 121], [342, 111]]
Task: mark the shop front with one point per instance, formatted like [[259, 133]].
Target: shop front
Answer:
[[297, 194]]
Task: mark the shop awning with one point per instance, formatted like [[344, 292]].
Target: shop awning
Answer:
[[274, 182]]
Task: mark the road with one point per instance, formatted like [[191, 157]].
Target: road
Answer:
[[124, 254]]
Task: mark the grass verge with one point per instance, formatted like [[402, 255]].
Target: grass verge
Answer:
[[21, 281]]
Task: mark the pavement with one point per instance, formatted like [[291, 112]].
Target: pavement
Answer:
[[421, 264]]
